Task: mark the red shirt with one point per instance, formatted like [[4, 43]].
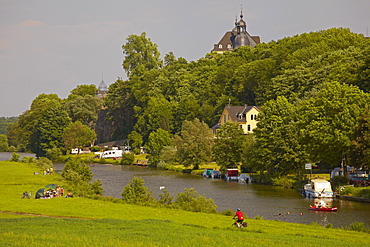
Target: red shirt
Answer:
[[240, 215]]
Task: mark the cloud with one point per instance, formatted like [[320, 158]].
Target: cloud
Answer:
[[31, 23]]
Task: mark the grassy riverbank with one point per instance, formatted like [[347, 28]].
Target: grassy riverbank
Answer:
[[86, 222]]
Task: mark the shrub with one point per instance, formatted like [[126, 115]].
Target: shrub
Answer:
[[95, 149], [228, 212], [258, 217], [15, 157], [357, 226], [190, 200], [338, 181], [329, 225], [44, 163], [127, 158], [53, 153], [284, 182], [136, 193], [165, 198], [28, 159]]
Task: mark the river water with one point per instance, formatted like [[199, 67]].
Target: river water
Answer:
[[255, 200]]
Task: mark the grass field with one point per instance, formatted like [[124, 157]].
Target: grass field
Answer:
[[86, 222]]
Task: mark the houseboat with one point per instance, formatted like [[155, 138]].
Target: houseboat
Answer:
[[232, 175], [318, 188]]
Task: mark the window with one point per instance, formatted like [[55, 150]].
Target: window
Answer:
[[228, 46], [224, 118], [240, 116], [252, 117], [219, 46], [249, 127]]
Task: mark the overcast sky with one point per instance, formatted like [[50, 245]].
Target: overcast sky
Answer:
[[49, 46]]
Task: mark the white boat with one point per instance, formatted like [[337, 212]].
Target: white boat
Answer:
[[244, 178], [318, 188]]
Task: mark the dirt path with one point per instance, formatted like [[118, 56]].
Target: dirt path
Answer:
[[44, 215]]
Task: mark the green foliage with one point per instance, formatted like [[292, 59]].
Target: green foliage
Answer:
[[128, 158], [77, 135], [44, 163], [165, 198], [4, 147], [157, 141], [194, 145], [140, 55], [229, 145], [228, 212], [136, 193], [53, 153], [79, 175], [338, 181], [15, 157], [83, 109], [190, 200], [135, 139], [284, 182], [28, 159], [358, 227], [356, 191]]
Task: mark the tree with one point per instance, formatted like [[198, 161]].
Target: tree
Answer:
[[194, 145], [360, 146], [136, 139], [84, 109], [77, 135], [136, 193], [140, 55], [229, 145], [276, 147], [3, 143], [327, 122], [83, 90], [156, 142]]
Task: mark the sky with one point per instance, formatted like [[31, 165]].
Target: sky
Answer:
[[50, 46]]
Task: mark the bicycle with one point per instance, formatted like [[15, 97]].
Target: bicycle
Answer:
[[240, 224]]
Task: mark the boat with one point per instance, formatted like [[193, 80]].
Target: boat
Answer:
[[318, 188], [207, 173], [244, 178], [329, 209], [232, 175]]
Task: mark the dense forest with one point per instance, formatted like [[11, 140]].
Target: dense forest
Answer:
[[313, 90]]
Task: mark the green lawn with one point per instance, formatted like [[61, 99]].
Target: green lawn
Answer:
[[86, 222]]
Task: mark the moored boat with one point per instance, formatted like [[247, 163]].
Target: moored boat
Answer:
[[314, 208]]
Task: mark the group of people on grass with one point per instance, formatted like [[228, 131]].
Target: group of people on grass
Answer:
[[58, 192]]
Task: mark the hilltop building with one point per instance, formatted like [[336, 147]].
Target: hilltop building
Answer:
[[236, 38], [102, 90]]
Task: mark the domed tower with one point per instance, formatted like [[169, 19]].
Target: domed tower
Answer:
[[102, 90], [241, 36]]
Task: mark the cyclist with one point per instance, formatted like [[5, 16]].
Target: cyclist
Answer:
[[239, 215]]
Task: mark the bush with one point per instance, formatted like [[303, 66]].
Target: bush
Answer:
[[338, 181], [44, 163], [27, 159], [284, 182], [95, 149], [228, 212], [190, 200], [127, 159], [53, 153], [357, 226], [136, 193], [15, 157]]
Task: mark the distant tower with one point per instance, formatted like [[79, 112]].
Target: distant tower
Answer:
[[102, 90], [240, 37], [236, 38]]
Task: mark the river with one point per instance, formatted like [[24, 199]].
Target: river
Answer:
[[255, 200]]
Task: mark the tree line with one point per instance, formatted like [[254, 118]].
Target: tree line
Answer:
[[313, 90]]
